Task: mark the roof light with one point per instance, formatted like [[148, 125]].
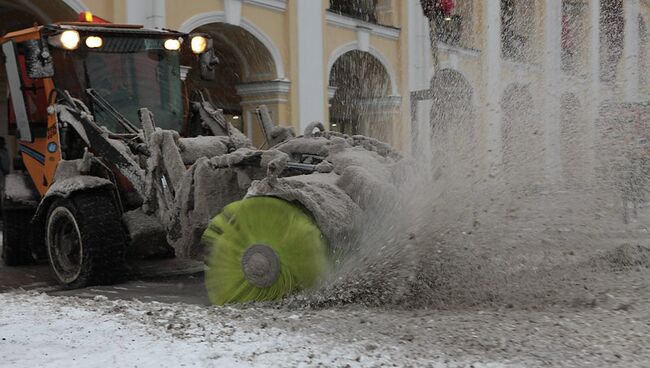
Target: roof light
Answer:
[[172, 44], [88, 16], [199, 44], [94, 42]]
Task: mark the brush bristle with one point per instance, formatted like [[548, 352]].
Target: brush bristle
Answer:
[[292, 234]]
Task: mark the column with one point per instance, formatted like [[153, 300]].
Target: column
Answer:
[[552, 90], [311, 72], [492, 76], [274, 94], [631, 50], [156, 18], [149, 13]]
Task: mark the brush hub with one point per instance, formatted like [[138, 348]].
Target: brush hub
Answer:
[[260, 265]]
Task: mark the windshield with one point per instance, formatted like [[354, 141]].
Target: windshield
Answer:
[[129, 74]]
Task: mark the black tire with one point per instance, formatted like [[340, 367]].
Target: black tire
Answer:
[[85, 239], [16, 249]]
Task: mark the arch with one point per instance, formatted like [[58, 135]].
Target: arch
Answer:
[[361, 103], [202, 19], [354, 45], [451, 91], [453, 134], [236, 52], [20, 14], [27, 8], [447, 67]]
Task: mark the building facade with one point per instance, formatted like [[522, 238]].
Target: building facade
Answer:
[[512, 67], [306, 60], [535, 73]]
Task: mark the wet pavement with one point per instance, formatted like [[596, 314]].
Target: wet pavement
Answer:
[[166, 280]]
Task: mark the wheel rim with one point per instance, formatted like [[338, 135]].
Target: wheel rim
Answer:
[[64, 245]]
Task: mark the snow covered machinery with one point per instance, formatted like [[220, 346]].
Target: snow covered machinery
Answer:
[[114, 160]]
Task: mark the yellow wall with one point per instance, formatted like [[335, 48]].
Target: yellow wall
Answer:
[[281, 28]]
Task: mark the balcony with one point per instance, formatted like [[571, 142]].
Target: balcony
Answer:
[[359, 9], [368, 11]]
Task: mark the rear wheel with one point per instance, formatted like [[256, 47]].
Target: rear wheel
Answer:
[[15, 236], [262, 248], [85, 240]]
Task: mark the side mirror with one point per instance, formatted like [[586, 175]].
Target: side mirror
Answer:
[[38, 59], [208, 63]]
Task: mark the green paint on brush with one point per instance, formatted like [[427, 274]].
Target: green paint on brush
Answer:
[[292, 234]]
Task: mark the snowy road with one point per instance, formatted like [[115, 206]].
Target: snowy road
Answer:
[[164, 321], [37, 330], [40, 330]]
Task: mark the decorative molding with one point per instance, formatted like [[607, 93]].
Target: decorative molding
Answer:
[[390, 102], [354, 45], [264, 88], [331, 90], [219, 17], [471, 53], [275, 5], [264, 101], [522, 66], [352, 23]]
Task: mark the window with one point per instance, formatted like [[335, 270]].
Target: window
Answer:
[[612, 23], [517, 29], [453, 23], [573, 30]]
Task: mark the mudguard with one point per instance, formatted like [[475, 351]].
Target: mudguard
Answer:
[[68, 186]]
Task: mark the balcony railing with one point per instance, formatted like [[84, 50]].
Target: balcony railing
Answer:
[[364, 10]]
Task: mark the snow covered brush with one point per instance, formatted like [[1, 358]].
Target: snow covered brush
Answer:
[[262, 248]]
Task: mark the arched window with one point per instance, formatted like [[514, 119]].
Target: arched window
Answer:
[[243, 60], [361, 102]]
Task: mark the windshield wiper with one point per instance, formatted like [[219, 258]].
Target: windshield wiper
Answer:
[[124, 122]]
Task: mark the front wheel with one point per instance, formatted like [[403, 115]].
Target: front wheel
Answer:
[[85, 240]]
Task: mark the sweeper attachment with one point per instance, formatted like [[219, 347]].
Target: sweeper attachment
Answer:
[[297, 222], [99, 178], [262, 249]]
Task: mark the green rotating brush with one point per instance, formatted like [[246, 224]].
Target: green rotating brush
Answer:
[[262, 248]]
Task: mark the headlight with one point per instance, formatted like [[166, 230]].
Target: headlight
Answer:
[[172, 44], [94, 42], [68, 39], [199, 44]]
